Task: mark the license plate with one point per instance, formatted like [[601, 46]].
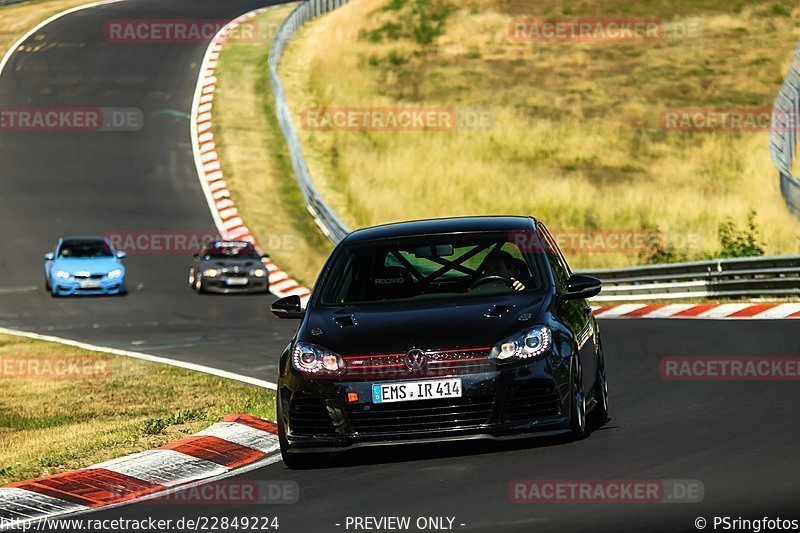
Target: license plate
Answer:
[[416, 390], [90, 284], [236, 281]]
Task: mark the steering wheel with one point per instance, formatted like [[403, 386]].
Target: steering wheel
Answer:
[[489, 279]]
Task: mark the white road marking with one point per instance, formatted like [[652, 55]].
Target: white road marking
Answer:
[[144, 357]]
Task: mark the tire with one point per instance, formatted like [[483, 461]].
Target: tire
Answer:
[[599, 414], [578, 401], [191, 279], [47, 284]]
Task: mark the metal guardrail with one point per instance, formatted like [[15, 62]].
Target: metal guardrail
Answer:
[[720, 278], [784, 131], [325, 218]]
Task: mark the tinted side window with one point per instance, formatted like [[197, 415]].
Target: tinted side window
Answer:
[[560, 268]]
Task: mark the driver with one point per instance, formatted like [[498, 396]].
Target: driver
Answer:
[[500, 263]]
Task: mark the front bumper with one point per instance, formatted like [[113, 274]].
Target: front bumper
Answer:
[[69, 287], [222, 285], [521, 399]]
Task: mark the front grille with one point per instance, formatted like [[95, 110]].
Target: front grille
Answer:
[[438, 363], [309, 416], [531, 401], [89, 276], [425, 415]]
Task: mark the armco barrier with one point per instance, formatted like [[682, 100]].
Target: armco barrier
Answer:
[[783, 133], [325, 218], [747, 277]]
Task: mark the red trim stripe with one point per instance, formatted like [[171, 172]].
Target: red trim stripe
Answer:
[[253, 422], [696, 310], [752, 310], [93, 487], [216, 450], [646, 310], [605, 309]]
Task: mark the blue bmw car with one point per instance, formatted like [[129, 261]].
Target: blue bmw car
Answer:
[[84, 265]]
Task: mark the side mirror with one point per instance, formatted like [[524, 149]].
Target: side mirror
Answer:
[[288, 307], [49, 256], [579, 286], [121, 255]]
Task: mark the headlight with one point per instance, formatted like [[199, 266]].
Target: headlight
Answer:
[[114, 274], [211, 272], [259, 273], [62, 274], [313, 359], [524, 345]]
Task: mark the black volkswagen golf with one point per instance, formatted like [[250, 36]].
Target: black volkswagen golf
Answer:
[[436, 330]]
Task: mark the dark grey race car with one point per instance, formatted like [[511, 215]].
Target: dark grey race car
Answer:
[[228, 267]]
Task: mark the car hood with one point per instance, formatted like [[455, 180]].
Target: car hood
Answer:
[[97, 265], [397, 328]]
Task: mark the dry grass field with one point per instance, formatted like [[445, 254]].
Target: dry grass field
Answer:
[[17, 19], [575, 134]]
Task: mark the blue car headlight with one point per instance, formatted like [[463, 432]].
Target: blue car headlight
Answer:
[[63, 274], [114, 274], [313, 359], [527, 344]]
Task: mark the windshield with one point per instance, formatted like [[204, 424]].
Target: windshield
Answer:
[[445, 266], [230, 250], [84, 249]]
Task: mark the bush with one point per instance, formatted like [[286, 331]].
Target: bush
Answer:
[[736, 243], [656, 251]]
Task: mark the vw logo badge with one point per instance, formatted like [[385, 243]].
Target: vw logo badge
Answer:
[[415, 360]]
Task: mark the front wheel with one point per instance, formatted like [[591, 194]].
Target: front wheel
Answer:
[[600, 412], [578, 411]]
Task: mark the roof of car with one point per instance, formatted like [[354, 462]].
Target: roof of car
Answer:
[[89, 238], [442, 225]]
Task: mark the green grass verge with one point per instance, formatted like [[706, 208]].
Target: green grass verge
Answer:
[[50, 425]]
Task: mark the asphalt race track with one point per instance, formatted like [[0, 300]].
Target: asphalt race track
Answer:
[[739, 439], [60, 183]]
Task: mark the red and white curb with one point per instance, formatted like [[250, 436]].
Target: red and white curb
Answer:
[[702, 311], [209, 169], [227, 447]]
